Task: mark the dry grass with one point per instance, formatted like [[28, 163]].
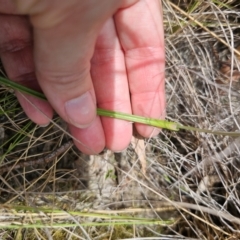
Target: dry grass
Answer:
[[189, 180]]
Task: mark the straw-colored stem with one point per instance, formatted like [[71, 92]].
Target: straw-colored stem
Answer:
[[189, 128]]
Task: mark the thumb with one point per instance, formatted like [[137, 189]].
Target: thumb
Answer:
[[62, 54], [63, 73]]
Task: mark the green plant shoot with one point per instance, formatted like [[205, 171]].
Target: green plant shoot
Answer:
[[123, 116]]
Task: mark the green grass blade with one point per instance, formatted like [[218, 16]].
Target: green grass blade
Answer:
[[101, 112], [124, 116], [139, 119], [16, 139], [16, 86]]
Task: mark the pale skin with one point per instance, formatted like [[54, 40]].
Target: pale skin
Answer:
[[84, 55]]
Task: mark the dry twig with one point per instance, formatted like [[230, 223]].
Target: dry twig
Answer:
[[46, 159]]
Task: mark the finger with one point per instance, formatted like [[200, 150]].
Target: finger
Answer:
[[16, 56], [89, 140], [140, 30], [111, 86]]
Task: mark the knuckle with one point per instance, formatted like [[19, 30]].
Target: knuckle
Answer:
[[14, 45], [62, 80], [15, 33]]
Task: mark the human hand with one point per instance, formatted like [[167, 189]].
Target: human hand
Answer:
[[82, 54]]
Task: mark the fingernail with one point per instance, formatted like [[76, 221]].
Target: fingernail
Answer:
[[81, 111]]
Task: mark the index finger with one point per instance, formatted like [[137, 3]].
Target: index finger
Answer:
[[140, 30]]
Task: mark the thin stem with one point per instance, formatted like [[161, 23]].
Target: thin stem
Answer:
[[189, 128], [124, 116], [16, 86], [139, 119], [101, 112]]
